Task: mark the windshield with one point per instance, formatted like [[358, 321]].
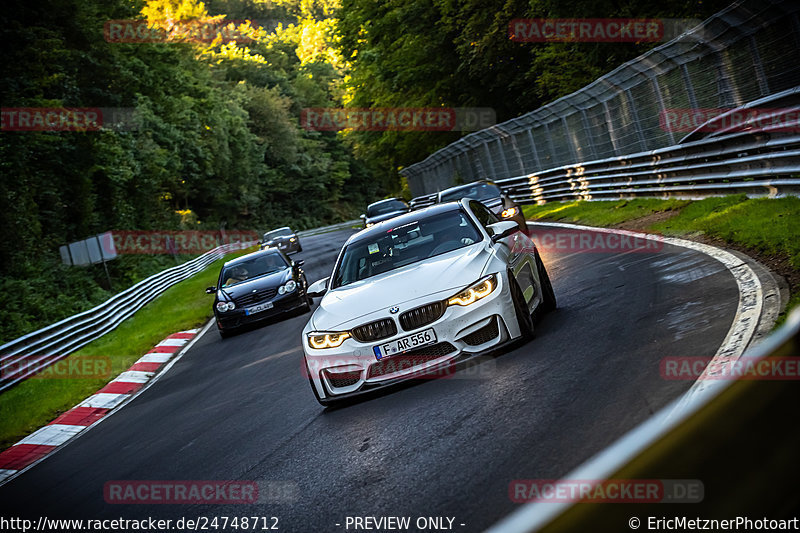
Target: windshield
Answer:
[[478, 191], [403, 245], [252, 268], [385, 207], [283, 232]]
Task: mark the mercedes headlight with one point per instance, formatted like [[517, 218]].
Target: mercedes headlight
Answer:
[[472, 294], [288, 287], [320, 340], [225, 306]]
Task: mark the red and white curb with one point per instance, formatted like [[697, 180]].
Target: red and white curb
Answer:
[[90, 411]]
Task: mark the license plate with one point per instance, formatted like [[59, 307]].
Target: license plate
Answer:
[[423, 338], [257, 308]]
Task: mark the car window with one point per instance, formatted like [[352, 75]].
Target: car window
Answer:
[[484, 216], [252, 268], [385, 207], [403, 245], [478, 191], [277, 233]]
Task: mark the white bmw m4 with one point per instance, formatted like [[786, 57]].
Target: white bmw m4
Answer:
[[420, 292]]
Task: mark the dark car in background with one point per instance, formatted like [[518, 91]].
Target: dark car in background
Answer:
[[283, 239], [490, 195], [384, 210], [258, 286]]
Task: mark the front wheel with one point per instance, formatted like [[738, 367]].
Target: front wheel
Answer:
[[548, 295], [524, 318]]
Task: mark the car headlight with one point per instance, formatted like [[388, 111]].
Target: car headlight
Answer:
[[510, 212], [293, 239], [289, 286], [319, 340], [225, 306], [481, 289]]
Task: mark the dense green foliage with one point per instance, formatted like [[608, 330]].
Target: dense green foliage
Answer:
[[217, 145], [219, 142], [457, 53]]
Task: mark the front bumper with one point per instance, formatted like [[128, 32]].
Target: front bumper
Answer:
[[283, 303], [285, 247], [461, 332]]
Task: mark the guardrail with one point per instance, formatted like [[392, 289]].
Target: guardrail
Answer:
[[743, 53], [739, 440], [35, 351], [755, 162], [31, 353], [332, 227]]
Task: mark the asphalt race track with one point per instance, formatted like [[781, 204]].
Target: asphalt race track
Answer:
[[242, 409]]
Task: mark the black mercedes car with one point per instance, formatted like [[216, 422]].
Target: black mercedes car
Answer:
[[284, 239], [489, 195], [384, 210], [257, 286]]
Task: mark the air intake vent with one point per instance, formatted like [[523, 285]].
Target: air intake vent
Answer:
[[422, 316], [375, 331], [409, 360], [342, 379], [255, 297], [485, 334]]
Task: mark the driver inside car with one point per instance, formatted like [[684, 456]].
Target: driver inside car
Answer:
[[237, 275]]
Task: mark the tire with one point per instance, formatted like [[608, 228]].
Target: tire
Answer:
[[524, 318], [299, 248], [548, 295], [224, 334]]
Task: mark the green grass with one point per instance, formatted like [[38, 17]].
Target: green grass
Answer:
[[764, 225], [601, 213], [35, 402], [770, 226]]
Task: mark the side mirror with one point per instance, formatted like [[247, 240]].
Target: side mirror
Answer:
[[501, 230], [318, 288], [298, 263], [211, 290], [363, 217]]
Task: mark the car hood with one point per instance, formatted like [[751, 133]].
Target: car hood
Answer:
[[444, 273], [385, 216], [269, 280]]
